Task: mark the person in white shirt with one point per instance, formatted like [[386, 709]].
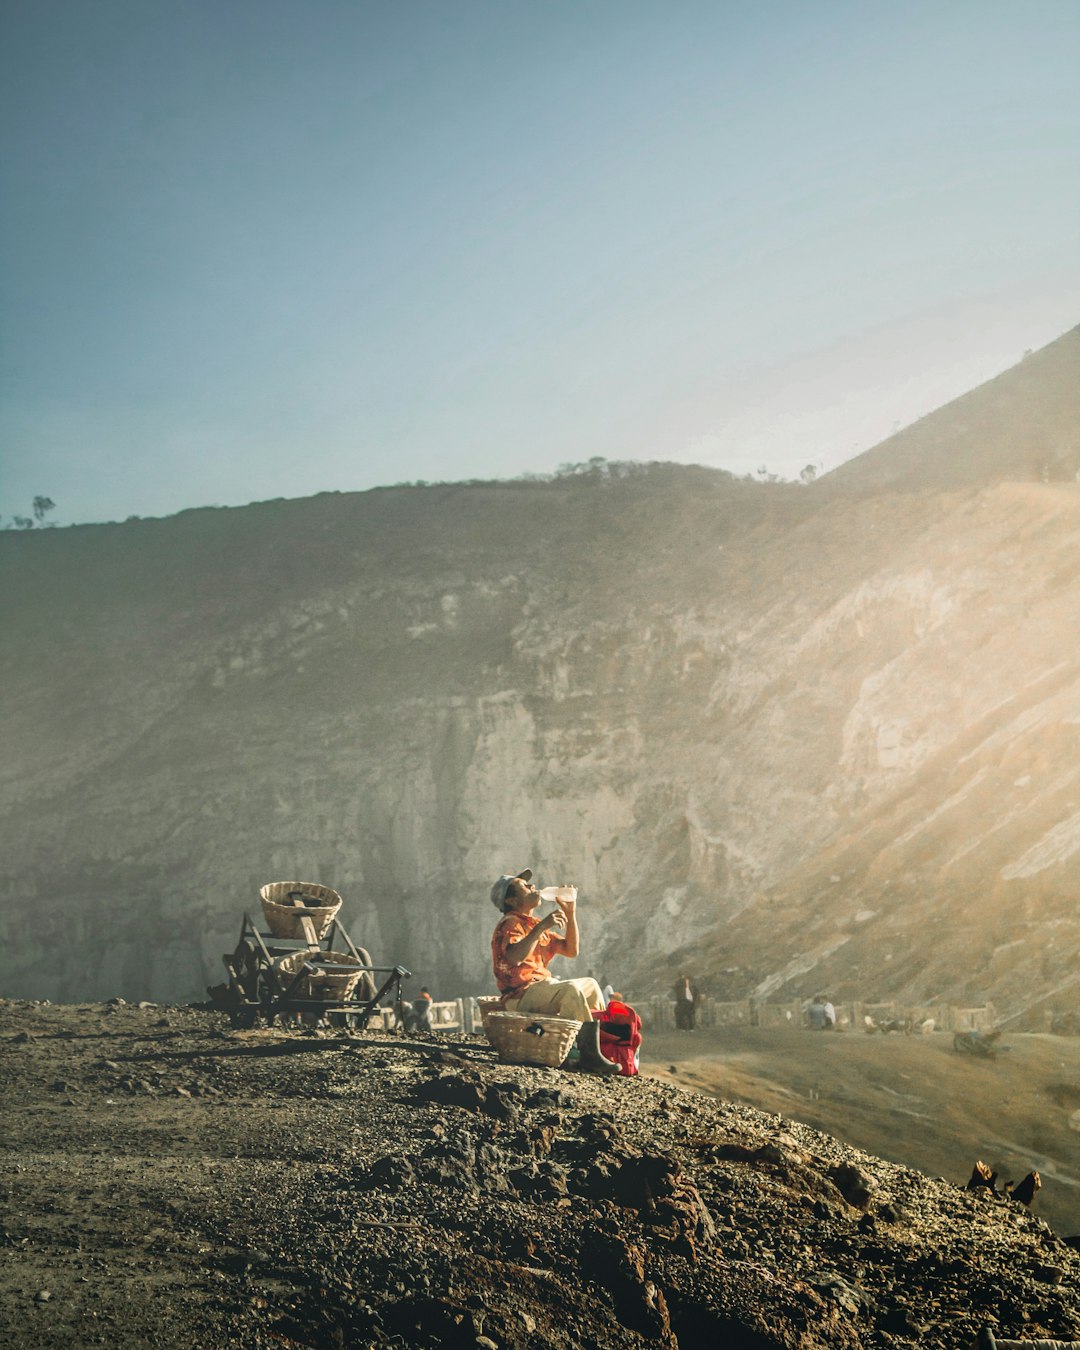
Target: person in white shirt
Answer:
[[686, 1000]]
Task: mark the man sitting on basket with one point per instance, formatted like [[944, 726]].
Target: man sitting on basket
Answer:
[[522, 948]]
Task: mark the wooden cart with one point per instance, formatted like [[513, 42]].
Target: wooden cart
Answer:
[[307, 977]]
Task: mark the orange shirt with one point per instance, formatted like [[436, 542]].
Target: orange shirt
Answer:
[[511, 978]]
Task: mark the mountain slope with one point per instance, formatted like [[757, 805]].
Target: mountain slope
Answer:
[[1025, 424], [801, 734]]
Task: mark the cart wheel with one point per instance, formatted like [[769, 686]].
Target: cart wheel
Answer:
[[365, 989], [243, 1019]]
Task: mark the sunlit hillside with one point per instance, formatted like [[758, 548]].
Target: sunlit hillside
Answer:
[[808, 733]]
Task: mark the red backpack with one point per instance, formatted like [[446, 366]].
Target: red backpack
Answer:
[[620, 1036]]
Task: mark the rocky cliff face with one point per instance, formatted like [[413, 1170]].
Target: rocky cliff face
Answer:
[[791, 735]]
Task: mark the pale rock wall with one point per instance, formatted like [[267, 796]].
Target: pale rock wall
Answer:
[[794, 757]]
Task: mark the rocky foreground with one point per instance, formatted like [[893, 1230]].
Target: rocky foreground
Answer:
[[170, 1181]]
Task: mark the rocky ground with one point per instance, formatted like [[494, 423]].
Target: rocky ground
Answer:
[[170, 1181]]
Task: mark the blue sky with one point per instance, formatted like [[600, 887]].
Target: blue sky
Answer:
[[274, 247]]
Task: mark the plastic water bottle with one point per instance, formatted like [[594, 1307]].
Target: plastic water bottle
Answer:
[[567, 894]]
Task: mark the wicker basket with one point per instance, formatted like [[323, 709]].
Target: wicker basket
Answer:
[[486, 1006], [521, 1039], [329, 985], [321, 904]]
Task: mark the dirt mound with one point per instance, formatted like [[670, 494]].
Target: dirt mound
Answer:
[[170, 1181]]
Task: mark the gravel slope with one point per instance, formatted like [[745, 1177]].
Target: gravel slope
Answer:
[[170, 1181]]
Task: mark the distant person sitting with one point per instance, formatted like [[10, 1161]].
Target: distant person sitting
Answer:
[[522, 948], [421, 1011], [685, 995], [414, 1016], [821, 1015]]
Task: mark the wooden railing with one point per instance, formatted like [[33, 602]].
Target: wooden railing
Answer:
[[463, 1015], [659, 1013], [449, 1015]]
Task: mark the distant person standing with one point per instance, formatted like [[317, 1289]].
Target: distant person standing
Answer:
[[821, 1015], [686, 1000]]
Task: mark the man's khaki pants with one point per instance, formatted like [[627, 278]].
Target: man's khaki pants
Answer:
[[575, 999]]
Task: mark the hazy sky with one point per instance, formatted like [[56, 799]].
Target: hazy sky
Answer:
[[270, 247]]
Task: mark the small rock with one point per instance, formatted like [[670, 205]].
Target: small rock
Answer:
[[392, 1172], [42, 1296], [899, 1321], [773, 1153], [546, 1098], [537, 1140], [453, 1090], [853, 1184], [503, 1101], [850, 1296]]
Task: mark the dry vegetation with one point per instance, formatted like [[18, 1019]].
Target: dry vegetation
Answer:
[[911, 1099]]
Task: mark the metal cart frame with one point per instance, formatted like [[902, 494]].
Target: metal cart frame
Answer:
[[258, 987]]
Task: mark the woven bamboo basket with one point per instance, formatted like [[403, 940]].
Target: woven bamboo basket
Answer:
[[487, 1006], [521, 1039], [329, 985], [320, 905]]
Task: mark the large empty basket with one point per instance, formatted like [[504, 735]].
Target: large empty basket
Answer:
[[523, 1038], [286, 903]]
